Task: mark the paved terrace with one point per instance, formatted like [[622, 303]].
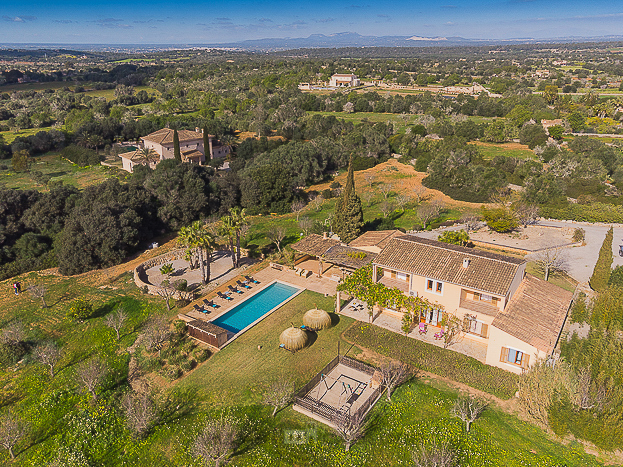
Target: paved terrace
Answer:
[[462, 345], [314, 283]]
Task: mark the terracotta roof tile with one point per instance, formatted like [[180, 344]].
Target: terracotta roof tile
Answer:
[[487, 272], [207, 327], [315, 245], [378, 238], [165, 136], [349, 257], [536, 313]]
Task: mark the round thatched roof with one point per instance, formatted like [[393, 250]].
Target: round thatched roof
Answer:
[[317, 319], [293, 338]]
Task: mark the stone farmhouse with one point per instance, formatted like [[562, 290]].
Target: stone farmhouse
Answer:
[[343, 80], [191, 148], [518, 317]]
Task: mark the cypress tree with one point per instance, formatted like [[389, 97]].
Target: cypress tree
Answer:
[[176, 146], [603, 267], [348, 218], [206, 144]]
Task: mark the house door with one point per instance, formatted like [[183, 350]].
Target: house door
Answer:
[[434, 317]]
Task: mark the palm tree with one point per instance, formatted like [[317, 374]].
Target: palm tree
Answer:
[[228, 230], [203, 242], [148, 155], [239, 219]]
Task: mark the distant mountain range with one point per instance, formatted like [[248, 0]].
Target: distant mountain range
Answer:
[[337, 40], [353, 39]]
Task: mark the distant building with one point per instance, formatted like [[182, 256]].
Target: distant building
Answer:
[[340, 80], [161, 142]]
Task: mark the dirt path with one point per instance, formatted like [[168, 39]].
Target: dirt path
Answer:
[[404, 178]]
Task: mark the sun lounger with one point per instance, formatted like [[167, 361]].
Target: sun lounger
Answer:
[[234, 289], [199, 309], [222, 295], [250, 279], [209, 303], [242, 284]]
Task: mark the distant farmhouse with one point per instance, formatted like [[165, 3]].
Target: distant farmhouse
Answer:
[[344, 81], [161, 142]]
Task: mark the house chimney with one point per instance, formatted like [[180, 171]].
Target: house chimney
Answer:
[[325, 235], [197, 129], [465, 262]]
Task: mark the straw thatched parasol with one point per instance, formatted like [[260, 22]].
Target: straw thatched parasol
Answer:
[[293, 338], [317, 319]]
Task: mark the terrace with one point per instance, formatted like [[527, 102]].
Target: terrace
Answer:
[[343, 388]]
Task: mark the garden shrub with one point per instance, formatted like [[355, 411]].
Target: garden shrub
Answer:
[[593, 212], [443, 362], [454, 237], [80, 308], [616, 277], [579, 235], [579, 311], [499, 219], [11, 353], [603, 267]]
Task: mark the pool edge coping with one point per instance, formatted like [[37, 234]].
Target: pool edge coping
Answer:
[[268, 313]]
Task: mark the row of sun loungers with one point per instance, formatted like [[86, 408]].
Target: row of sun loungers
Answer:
[[302, 272], [207, 304]]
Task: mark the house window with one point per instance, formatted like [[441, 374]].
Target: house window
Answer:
[[515, 357], [434, 286], [472, 326], [486, 298]]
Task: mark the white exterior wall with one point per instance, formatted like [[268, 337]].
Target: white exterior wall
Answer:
[[166, 150], [498, 339]]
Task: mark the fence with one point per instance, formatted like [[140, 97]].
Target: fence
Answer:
[[329, 413]]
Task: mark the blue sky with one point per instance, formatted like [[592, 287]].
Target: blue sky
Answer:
[[170, 22]]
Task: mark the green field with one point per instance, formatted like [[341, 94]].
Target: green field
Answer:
[[492, 150], [60, 170], [9, 135]]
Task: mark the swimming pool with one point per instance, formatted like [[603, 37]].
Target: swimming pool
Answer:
[[254, 308]]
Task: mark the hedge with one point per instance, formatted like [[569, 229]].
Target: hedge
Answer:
[[428, 357], [594, 212], [603, 267]]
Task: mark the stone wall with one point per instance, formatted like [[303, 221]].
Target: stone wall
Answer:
[[140, 278]]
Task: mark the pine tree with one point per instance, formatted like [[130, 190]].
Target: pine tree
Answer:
[[348, 218], [176, 146]]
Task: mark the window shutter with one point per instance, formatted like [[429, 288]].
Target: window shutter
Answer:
[[485, 330], [525, 361], [504, 355]]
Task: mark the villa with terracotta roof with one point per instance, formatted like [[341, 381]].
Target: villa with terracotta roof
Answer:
[[191, 148], [517, 316]]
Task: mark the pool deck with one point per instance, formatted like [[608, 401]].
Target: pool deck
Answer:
[[266, 276]]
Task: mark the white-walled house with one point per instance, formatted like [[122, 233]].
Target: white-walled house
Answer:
[[517, 316], [344, 80]]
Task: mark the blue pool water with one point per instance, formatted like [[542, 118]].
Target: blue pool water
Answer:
[[239, 317]]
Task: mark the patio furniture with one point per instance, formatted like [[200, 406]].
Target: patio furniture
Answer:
[[223, 296], [250, 279], [242, 284], [209, 303], [234, 289], [422, 328], [439, 335], [199, 309], [298, 271]]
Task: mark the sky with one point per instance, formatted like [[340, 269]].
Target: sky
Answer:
[[222, 21]]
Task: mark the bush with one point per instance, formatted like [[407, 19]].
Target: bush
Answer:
[[454, 237], [579, 311], [603, 267], [499, 219], [335, 185], [593, 212], [201, 355], [81, 156], [327, 194], [11, 353], [181, 285], [579, 235], [616, 277], [80, 308], [428, 357]]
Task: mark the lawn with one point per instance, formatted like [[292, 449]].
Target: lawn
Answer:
[[60, 170], [492, 150], [399, 121], [10, 135], [254, 359], [109, 94]]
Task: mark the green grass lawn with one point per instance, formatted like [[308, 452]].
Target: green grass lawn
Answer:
[[60, 170], [10, 135], [492, 150]]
